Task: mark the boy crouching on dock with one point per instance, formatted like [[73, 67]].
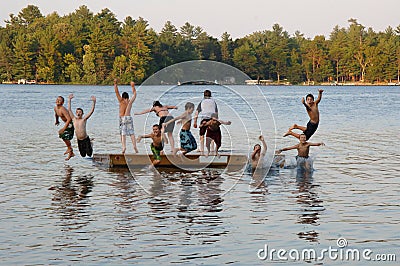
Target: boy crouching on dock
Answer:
[[157, 145]]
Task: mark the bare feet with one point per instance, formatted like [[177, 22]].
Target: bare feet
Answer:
[[123, 150], [136, 150], [68, 151], [70, 155], [294, 126], [288, 133]]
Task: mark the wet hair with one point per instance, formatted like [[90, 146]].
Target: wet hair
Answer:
[[157, 103], [125, 95], [157, 125], [256, 146], [310, 95], [189, 105], [214, 115], [207, 93], [62, 98], [79, 109]]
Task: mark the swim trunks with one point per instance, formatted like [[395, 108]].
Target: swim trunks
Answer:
[[68, 134], [304, 162], [126, 126], [85, 147], [213, 135], [203, 129], [156, 151], [188, 143], [311, 128], [165, 119]]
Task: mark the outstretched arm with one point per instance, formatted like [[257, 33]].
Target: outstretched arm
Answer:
[[287, 149], [144, 137], [70, 106], [144, 111], [316, 144], [91, 110], [117, 91], [224, 122], [175, 119], [171, 106], [320, 91]]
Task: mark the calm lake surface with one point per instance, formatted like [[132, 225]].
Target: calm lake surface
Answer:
[[75, 213]]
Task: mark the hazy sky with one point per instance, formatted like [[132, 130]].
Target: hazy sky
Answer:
[[238, 18]]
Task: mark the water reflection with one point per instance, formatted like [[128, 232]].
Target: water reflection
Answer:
[[71, 199], [308, 199]]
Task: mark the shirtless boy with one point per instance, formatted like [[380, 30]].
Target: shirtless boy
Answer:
[[157, 145], [84, 143], [303, 149], [125, 119], [313, 113], [214, 132], [66, 133], [188, 143]]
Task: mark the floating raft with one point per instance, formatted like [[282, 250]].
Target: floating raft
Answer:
[[191, 161]]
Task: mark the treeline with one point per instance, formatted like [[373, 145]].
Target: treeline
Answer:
[[87, 48]]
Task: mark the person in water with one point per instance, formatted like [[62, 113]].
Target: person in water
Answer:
[[214, 132], [125, 119], [66, 133], [313, 113], [157, 145], [303, 150], [187, 141], [79, 121], [162, 112], [258, 154]]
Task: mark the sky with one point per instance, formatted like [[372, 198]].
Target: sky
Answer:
[[238, 18]]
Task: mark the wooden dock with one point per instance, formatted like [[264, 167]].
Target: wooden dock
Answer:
[[190, 161]]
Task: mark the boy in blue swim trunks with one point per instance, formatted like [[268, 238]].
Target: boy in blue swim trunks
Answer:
[[66, 133], [157, 145], [313, 113], [188, 142]]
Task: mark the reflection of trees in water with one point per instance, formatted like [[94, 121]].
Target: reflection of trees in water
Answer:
[[312, 205], [197, 196], [71, 199]]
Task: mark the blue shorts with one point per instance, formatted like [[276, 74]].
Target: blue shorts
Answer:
[[188, 143]]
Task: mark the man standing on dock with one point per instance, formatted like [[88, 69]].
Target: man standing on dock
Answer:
[[205, 109]]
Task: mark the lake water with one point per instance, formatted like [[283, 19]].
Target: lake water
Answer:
[[65, 213]]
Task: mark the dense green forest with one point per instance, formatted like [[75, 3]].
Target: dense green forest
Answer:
[[87, 48]]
